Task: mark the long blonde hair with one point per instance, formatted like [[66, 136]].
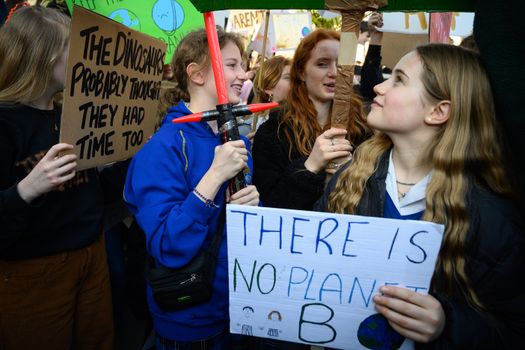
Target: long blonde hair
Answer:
[[30, 44], [464, 153]]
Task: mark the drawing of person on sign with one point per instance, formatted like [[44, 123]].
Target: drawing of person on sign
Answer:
[[246, 328], [274, 316]]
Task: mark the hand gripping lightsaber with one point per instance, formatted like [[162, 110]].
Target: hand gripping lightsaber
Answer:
[[226, 113]]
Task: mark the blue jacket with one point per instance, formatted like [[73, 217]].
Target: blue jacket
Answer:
[[158, 190]]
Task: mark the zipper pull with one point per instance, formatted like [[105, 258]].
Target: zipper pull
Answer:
[[192, 278]]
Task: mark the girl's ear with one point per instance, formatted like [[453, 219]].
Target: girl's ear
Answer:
[[195, 73], [439, 114]]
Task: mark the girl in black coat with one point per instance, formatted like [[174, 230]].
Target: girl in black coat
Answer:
[[437, 157], [294, 151]]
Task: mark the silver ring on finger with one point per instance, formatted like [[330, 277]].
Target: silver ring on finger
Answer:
[[333, 165], [332, 141]]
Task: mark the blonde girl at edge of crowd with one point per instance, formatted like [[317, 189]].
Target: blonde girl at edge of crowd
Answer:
[[55, 291], [437, 135]]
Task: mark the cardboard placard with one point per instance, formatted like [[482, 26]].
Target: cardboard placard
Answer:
[[396, 45], [112, 89], [309, 277]]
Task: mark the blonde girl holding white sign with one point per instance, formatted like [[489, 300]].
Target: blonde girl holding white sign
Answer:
[[437, 157]]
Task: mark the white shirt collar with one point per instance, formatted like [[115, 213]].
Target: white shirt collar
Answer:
[[414, 200]]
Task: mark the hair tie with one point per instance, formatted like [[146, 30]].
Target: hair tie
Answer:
[[14, 8]]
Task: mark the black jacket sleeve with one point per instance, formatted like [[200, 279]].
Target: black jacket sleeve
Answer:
[[281, 182], [14, 212], [112, 179], [499, 36], [495, 269], [371, 74], [322, 202]]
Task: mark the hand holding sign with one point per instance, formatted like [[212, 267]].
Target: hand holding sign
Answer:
[[413, 315], [51, 171]]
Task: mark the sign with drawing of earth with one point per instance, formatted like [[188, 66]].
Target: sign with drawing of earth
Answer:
[[126, 17], [167, 20]]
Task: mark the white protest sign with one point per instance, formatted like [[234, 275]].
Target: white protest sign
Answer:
[[462, 24], [418, 23], [244, 22], [285, 32], [309, 277]]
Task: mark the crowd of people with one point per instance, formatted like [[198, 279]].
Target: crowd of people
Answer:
[[430, 147]]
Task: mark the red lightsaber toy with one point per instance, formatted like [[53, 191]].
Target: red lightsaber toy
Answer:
[[226, 113], [214, 114]]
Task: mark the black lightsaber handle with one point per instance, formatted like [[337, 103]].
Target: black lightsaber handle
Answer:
[[229, 131]]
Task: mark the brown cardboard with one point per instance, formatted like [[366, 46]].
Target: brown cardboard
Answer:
[[112, 89], [396, 45]]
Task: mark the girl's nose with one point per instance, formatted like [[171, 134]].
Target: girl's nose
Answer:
[[242, 75], [380, 88], [332, 72]]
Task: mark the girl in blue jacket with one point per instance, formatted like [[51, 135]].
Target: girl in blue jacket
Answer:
[[176, 188]]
